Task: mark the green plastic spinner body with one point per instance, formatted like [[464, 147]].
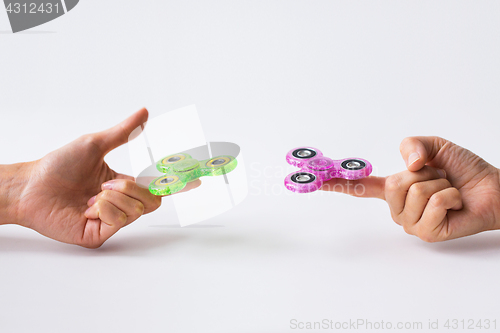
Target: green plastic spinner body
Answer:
[[180, 169]]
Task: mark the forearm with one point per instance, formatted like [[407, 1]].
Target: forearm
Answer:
[[13, 181]]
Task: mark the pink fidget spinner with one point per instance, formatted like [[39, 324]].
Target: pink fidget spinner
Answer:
[[316, 169]]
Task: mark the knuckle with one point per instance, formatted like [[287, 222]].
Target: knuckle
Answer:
[[396, 220], [100, 204], [139, 208], [428, 238], [417, 189], [440, 139], [127, 185], [122, 217], [91, 141], [89, 243], [407, 229], [437, 200], [86, 138], [92, 246], [392, 183], [105, 195]]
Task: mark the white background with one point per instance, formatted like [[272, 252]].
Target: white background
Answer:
[[352, 78]]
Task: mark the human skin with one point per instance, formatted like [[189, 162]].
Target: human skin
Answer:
[[72, 195], [447, 191]]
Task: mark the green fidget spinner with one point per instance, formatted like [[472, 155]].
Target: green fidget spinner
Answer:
[[180, 169]]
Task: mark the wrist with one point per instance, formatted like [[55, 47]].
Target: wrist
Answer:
[[13, 181]]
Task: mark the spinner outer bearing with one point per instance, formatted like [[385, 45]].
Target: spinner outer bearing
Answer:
[[164, 164], [294, 186], [157, 188], [364, 171], [211, 169], [294, 159]]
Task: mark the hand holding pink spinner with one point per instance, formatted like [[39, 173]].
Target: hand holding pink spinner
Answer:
[[316, 169]]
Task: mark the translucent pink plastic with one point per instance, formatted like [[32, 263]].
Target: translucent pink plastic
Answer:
[[316, 169]]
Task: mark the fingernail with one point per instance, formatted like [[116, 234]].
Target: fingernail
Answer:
[[107, 186], [92, 200], [442, 173], [87, 211], [413, 158]]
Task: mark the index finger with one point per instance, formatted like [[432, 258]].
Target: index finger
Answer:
[[133, 190], [369, 187]]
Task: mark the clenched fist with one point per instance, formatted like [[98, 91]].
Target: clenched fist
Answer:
[[447, 191]]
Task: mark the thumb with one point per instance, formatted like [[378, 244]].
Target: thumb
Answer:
[[417, 151], [122, 133]]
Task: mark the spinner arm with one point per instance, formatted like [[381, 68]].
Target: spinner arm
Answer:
[[180, 169], [316, 169]]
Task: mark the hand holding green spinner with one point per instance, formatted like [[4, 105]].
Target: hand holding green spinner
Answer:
[[180, 169]]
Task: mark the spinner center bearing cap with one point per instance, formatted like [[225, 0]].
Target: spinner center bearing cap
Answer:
[[186, 165], [320, 164]]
